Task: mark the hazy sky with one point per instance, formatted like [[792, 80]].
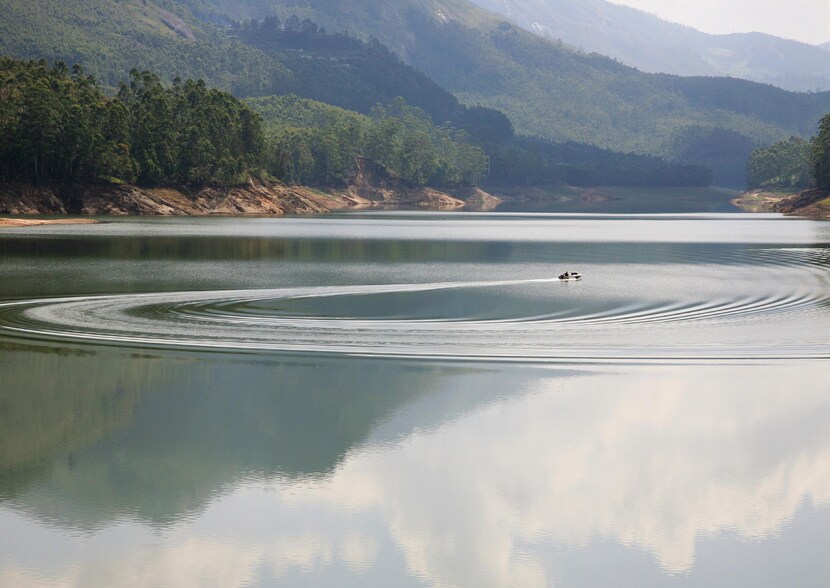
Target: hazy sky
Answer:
[[804, 20]]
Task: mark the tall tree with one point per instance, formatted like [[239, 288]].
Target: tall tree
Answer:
[[821, 154]]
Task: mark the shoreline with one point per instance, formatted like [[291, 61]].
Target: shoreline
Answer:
[[760, 200], [273, 199], [36, 222], [252, 199], [812, 204]]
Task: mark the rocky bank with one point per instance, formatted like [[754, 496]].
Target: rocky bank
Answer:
[[254, 198], [809, 203]]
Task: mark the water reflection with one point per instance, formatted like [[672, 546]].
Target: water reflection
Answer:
[[429, 475], [157, 437], [166, 465]]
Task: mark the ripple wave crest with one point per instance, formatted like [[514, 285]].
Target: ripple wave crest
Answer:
[[262, 320]]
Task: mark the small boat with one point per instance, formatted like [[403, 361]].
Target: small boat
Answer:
[[570, 276]]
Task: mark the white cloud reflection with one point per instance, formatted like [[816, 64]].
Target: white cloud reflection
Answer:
[[656, 460]]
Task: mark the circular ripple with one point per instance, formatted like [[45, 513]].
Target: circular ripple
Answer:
[[261, 320]]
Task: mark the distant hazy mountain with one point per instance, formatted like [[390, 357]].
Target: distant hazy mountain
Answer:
[[825, 46], [654, 45]]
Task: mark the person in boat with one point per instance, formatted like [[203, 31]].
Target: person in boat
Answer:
[[565, 275]]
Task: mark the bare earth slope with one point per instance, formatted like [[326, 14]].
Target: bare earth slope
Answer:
[[255, 198]]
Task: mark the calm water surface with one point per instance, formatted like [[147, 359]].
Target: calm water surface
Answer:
[[405, 399]]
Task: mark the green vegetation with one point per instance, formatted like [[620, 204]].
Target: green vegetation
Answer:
[[723, 151], [821, 155], [112, 37], [343, 71], [534, 161], [783, 166], [794, 164], [315, 143], [546, 89], [557, 93], [320, 144], [57, 126], [357, 75]]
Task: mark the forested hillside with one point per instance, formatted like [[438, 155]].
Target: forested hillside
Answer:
[[794, 164], [785, 165], [820, 155], [552, 91], [319, 144], [58, 126], [112, 37], [314, 143], [547, 90], [358, 75]]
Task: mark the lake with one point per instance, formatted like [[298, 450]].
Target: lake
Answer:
[[414, 399]]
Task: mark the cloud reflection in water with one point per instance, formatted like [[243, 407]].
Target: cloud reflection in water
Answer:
[[658, 460]]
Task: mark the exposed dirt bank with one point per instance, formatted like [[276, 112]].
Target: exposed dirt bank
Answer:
[[255, 198], [813, 204], [33, 222], [84, 199]]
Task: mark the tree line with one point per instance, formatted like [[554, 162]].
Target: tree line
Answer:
[[315, 143], [794, 164], [56, 125]]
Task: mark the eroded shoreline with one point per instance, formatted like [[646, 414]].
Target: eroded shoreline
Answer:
[[35, 222], [814, 204]]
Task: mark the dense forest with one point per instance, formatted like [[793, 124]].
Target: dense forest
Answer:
[[58, 126], [794, 164], [346, 71], [785, 165], [315, 143], [820, 155], [319, 144]]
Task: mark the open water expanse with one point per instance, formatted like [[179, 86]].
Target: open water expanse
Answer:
[[414, 399]]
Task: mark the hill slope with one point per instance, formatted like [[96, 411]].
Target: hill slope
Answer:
[[553, 91], [651, 44], [110, 37], [547, 89]]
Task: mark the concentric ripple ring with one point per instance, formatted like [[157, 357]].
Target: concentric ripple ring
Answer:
[[234, 320]]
